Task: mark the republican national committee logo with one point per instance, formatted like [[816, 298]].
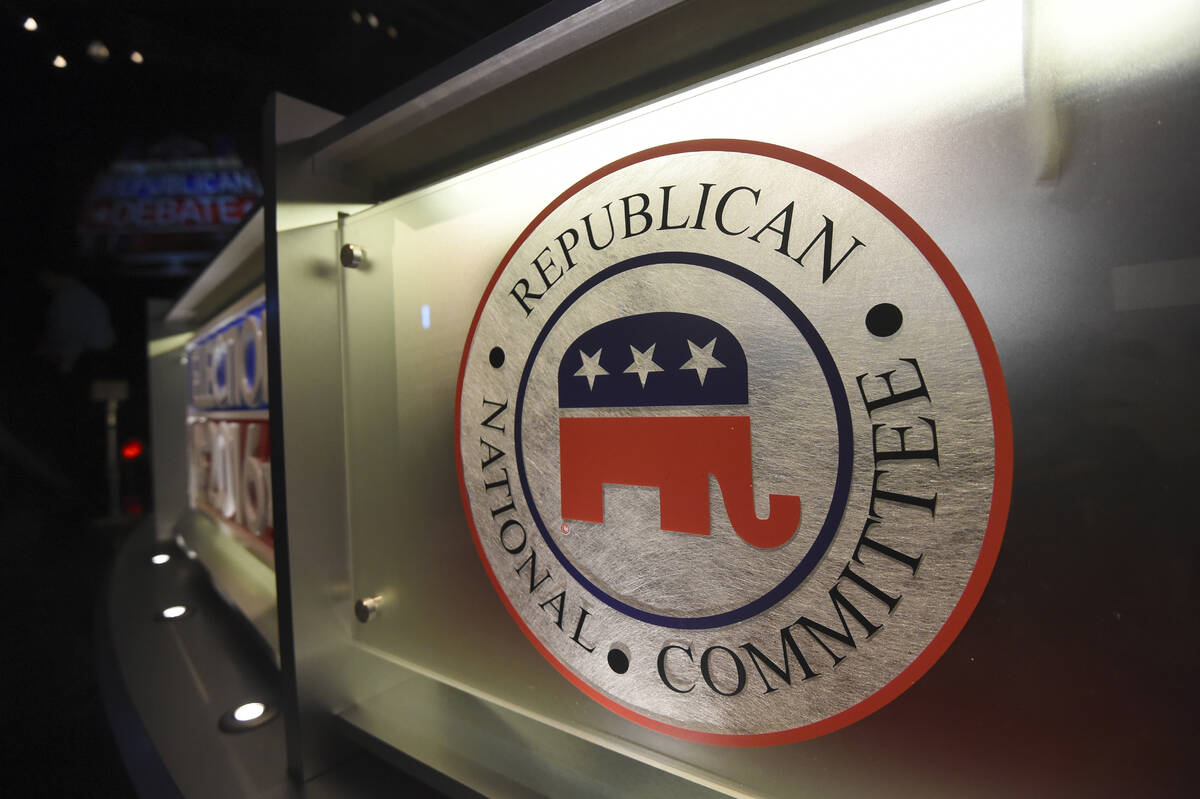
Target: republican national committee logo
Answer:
[[675, 454], [733, 442]]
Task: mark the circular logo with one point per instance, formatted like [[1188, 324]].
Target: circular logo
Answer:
[[733, 442]]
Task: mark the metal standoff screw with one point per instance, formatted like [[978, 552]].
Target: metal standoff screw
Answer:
[[352, 256], [364, 609]]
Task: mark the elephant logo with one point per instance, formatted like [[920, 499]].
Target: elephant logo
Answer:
[[661, 361]]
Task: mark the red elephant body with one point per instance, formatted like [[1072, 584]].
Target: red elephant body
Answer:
[[675, 454]]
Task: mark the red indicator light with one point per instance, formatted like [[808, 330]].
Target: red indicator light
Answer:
[[132, 450]]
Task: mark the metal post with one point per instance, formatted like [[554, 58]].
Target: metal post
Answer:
[[111, 393], [113, 468]]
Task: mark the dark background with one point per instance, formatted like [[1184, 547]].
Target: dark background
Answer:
[[207, 71]]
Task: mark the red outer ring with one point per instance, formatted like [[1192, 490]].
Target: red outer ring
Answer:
[[1001, 423]]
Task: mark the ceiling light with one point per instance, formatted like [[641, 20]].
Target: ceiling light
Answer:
[[373, 20], [246, 717], [98, 51], [136, 57], [392, 32], [160, 558], [30, 24], [60, 62], [355, 17]]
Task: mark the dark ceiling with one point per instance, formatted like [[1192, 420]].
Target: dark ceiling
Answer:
[[206, 71]]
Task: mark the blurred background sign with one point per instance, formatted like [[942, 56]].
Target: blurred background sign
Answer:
[[178, 203]]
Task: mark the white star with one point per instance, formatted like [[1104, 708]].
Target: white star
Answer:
[[702, 359], [643, 363], [591, 368]]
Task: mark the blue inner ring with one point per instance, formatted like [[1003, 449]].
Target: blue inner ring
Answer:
[[841, 407]]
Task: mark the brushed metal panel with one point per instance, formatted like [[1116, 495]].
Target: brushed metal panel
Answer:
[[1076, 661], [500, 753]]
